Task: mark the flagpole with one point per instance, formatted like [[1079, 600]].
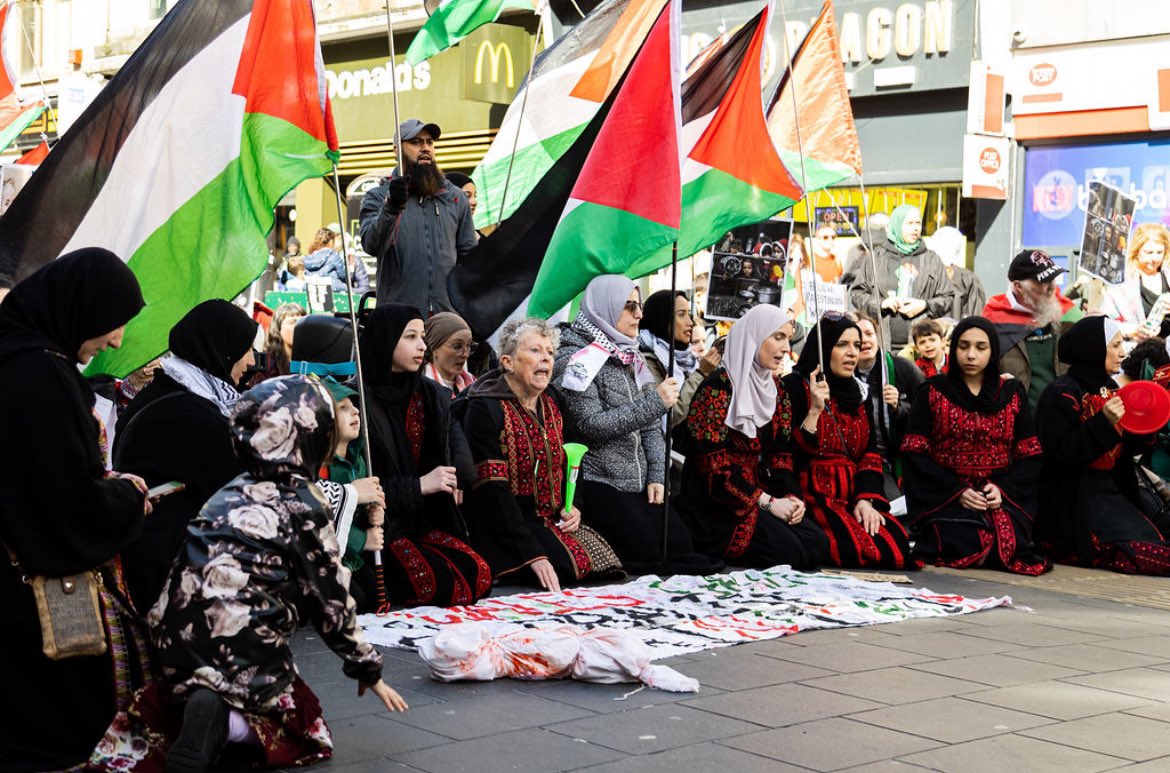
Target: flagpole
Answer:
[[394, 92], [879, 328], [669, 411], [383, 598], [804, 186], [520, 121]]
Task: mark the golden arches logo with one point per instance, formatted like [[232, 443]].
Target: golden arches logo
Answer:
[[495, 53]]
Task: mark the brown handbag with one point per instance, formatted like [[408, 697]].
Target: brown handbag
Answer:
[[70, 613]]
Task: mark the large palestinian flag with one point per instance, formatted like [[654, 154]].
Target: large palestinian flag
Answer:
[[618, 211], [562, 94], [178, 163]]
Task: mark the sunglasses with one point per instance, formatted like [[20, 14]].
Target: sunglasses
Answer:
[[633, 306], [837, 316]]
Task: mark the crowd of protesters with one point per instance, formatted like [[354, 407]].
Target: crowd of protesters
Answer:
[[928, 426]]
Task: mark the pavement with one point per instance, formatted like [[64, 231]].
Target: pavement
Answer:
[[1077, 684]]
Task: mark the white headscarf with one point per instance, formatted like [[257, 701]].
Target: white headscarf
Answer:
[[753, 395]]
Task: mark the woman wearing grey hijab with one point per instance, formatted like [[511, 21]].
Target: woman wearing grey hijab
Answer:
[[740, 497], [613, 406]]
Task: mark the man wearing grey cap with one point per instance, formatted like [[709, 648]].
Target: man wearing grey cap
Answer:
[[417, 224]]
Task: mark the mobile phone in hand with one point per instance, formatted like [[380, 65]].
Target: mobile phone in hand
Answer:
[[164, 489]]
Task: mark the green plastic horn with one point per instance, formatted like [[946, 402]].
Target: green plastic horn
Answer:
[[573, 454]]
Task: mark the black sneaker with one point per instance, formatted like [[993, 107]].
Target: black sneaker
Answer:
[[204, 733]]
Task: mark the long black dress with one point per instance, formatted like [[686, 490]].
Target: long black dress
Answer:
[[426, 559], [956, 440], [519, 489], [170, 433], [725, 475], [839, 465], [60, 512], [1090, 512]]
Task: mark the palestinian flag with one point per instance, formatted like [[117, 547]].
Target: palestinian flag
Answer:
[[35, 156], [453, 21], [820, 108], [732, 175], [178, 163], [559, 98], [15, 115], [618, 212]]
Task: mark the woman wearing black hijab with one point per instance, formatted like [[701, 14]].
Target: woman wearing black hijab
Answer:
[[62, 513], [177, 430], [1090, 512], [423, 462], [971, 460], [835, 452]]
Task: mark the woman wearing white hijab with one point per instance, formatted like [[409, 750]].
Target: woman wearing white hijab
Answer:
[[740, 497], [613, 406]]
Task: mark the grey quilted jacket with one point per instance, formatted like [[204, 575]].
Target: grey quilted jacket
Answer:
[[621, 425]]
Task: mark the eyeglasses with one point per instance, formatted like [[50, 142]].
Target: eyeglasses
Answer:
[[633, 306], [460, 348], [828, 236]]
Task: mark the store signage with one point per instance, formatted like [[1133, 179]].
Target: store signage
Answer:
[[985, 167], [1042, 74], [371, 81], [497, 53]]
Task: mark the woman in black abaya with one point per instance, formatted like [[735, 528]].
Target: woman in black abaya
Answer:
[[62, 513], [177, 430]]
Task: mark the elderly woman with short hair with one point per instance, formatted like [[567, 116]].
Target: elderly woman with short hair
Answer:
[[513, 420]]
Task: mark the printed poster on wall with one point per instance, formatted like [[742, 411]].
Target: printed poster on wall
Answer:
[[1108, 221]]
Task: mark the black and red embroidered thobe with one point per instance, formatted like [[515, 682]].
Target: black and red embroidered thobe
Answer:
[[519, 493], [1090, 510], [950, 448], [837, 467], [425, 558], [727, 473]]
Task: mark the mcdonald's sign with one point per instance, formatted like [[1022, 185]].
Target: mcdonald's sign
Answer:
[[496, 53], [495, 60]]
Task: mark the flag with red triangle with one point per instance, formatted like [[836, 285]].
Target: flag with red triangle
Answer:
[[811, 112], [34, 156], [15, 115], [177, 165], [618, 212]]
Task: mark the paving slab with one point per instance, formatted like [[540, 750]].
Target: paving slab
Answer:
[[995, 670], [1143, 682], [1032, 634], [1058, 700], [483, 715], [1153, 766], [948, 644], [849, 656], [700, 757], [653, 729], [894, 685], [1092, 658], [952, 720], [784, 704], [1154, 646], [724, 670], [524, 751], [1013, 753], [606, 698], [830, 744], [1119, 735], [374, 737]]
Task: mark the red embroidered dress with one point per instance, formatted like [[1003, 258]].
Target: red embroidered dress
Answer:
[[519, 490], [726, 474], [1090, 510], [837, 467], [951, 447]]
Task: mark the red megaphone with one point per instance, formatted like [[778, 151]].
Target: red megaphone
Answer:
[[1147, 407]]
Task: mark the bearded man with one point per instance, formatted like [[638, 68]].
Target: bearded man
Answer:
[[1029, 319], [417, 224]]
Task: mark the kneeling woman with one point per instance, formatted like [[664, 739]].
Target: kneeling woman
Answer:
[[422, 461], [514, 424], [260, 553], [614, 408], [740, 497], [835, 453], [1090, 511], [971, 460]]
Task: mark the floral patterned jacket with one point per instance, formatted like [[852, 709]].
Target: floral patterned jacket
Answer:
[[262, 547]]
